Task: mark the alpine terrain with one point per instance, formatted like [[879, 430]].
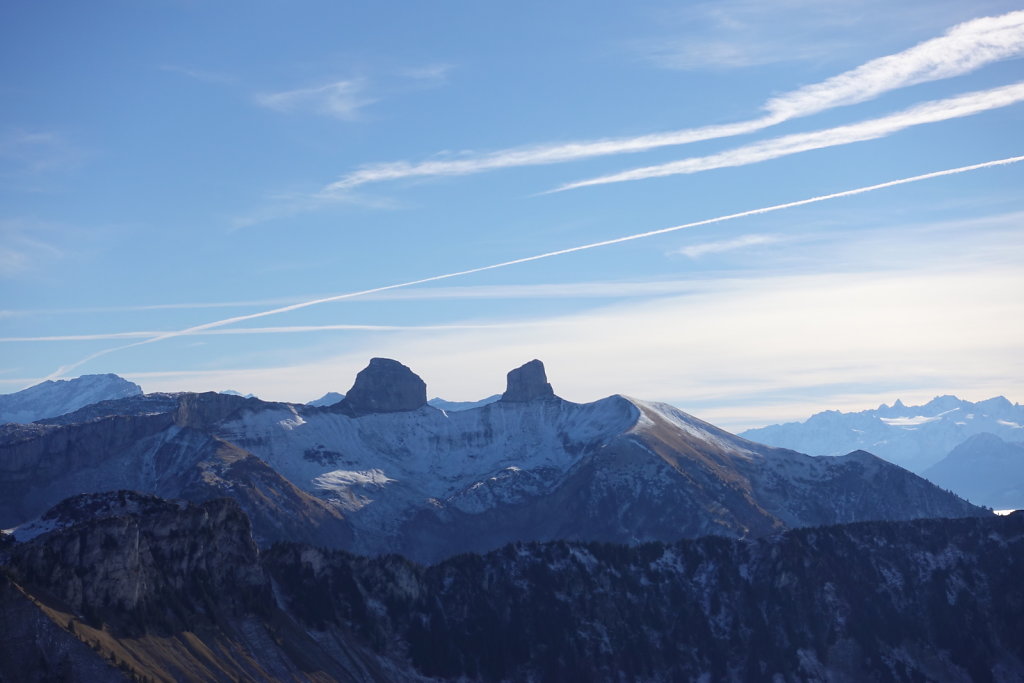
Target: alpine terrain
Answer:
[[915, 437], [381, 471]]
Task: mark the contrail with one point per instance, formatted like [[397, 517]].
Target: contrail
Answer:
[[960, 106], [537, 257], [139, 334], [960, 50]]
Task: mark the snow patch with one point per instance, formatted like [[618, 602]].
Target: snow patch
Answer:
[[909, 421], [338, 478], [294, 421]]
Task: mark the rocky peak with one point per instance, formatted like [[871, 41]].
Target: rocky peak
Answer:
[[528, 382], [203, 411], [385, 386]]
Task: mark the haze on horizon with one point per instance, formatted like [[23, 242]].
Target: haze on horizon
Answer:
[[177, 168]]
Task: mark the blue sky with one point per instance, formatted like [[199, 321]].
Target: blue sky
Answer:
[[167, 165]]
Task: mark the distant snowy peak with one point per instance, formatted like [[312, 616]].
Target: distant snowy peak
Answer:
[[328, 399], [452, 406], [57, 397], [914, 437], [941, 405], [232, 392]]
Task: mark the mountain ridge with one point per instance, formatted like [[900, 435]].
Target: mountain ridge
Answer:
[[984, 469], [915, 437], [157, 588], [391, 474]]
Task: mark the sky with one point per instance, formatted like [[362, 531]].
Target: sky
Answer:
[[262, 196]]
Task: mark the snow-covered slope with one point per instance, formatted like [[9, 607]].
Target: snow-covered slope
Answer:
[[430, 483], [166, 454], [382, 469], [52, 398], [914, 437]]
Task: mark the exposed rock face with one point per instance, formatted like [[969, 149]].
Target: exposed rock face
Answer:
[[141, 588], [385, 386], [143, 554], [528, 382]]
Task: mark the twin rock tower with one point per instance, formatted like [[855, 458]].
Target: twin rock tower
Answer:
[[387, 386]]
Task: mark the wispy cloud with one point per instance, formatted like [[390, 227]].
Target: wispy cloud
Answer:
[[742, 242], [342, 99], [203, 75], [690, 54], [727, 34], [428, 75], [537, 257], [962, 49], [25, 152], [930, 112], [22, 249], [530, 156]]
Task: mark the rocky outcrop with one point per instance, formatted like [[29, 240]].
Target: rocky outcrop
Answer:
[[146, 589], [385, 386], [146, 556], [528, 382]]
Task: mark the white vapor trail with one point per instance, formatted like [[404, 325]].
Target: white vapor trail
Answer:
[[142, 334], [962, 49], [494, 266], [929, 112]]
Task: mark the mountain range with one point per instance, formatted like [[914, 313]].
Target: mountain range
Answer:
[[382, 471], [914, 437], [379, 537], [131, 587]]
